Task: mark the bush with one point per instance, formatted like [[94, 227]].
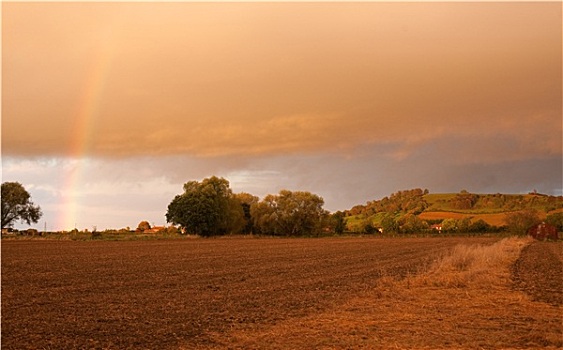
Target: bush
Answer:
[[143, 226], [172, 230], [555, 219], [519, 222], [479, 226], [369, 229]]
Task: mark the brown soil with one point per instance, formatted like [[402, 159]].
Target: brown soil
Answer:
[[252, 293], [464, 301], [163, 294], [539, 272]]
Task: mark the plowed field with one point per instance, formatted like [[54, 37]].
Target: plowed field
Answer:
[[189, 293], [161, 294], [539, 272]]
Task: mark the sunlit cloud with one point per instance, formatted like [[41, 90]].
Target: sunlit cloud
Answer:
[[209, 80]]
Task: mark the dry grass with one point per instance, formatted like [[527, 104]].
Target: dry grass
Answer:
[[463, 301], [476, 266]]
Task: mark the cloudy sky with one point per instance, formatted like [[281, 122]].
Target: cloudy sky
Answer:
[[108, 108]]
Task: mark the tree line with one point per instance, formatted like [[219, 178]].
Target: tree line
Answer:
[[414, 202], [210, 207], [407, 202]]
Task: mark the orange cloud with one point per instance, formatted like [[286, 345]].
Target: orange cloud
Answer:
[[212, 80]]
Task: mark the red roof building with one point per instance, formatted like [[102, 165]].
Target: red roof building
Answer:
[[543, 231]]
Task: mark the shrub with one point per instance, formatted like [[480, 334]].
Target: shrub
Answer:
[[555, 219], [369, 229], [520, 221], [143, 226], [173, 230]]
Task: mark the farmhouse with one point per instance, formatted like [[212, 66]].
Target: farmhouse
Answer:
[[155, 229], [543, 231], [9, 231], [437, 227]]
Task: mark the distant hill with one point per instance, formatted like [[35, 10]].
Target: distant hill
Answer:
[[433, 208], [471, 203]]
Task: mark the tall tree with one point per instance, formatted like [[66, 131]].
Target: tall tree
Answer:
[[338, 222], [207, 208], [246, 200], [389, 223], [289, 213], [17, 205]]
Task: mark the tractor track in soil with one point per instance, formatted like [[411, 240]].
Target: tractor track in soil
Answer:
[[539, 272]]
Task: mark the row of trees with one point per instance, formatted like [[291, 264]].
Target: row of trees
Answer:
[[408, 201], [210, 207], [501, 202], [517, 222], [414, 202], [410, 223]]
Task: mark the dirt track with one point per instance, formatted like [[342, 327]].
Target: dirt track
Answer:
[[159, 294], [539, 272]]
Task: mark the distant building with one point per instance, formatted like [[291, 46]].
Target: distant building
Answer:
[[155, 229], [8, 231], [437, 227], [543, 231]]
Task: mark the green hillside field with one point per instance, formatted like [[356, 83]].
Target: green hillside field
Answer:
[[491, 208]]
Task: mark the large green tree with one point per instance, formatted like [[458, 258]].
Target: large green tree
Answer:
[[389, 223], [289, 214], [17, 205], [207, 208], [246, 200], [338, 222]]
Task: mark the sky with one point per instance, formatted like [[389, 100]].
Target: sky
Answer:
[[109, 108]]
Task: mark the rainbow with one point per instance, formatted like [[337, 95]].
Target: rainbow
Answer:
[[82, 137]]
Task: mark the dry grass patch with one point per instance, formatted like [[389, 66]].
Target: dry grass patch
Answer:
[[477, 266], [463, 301]]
